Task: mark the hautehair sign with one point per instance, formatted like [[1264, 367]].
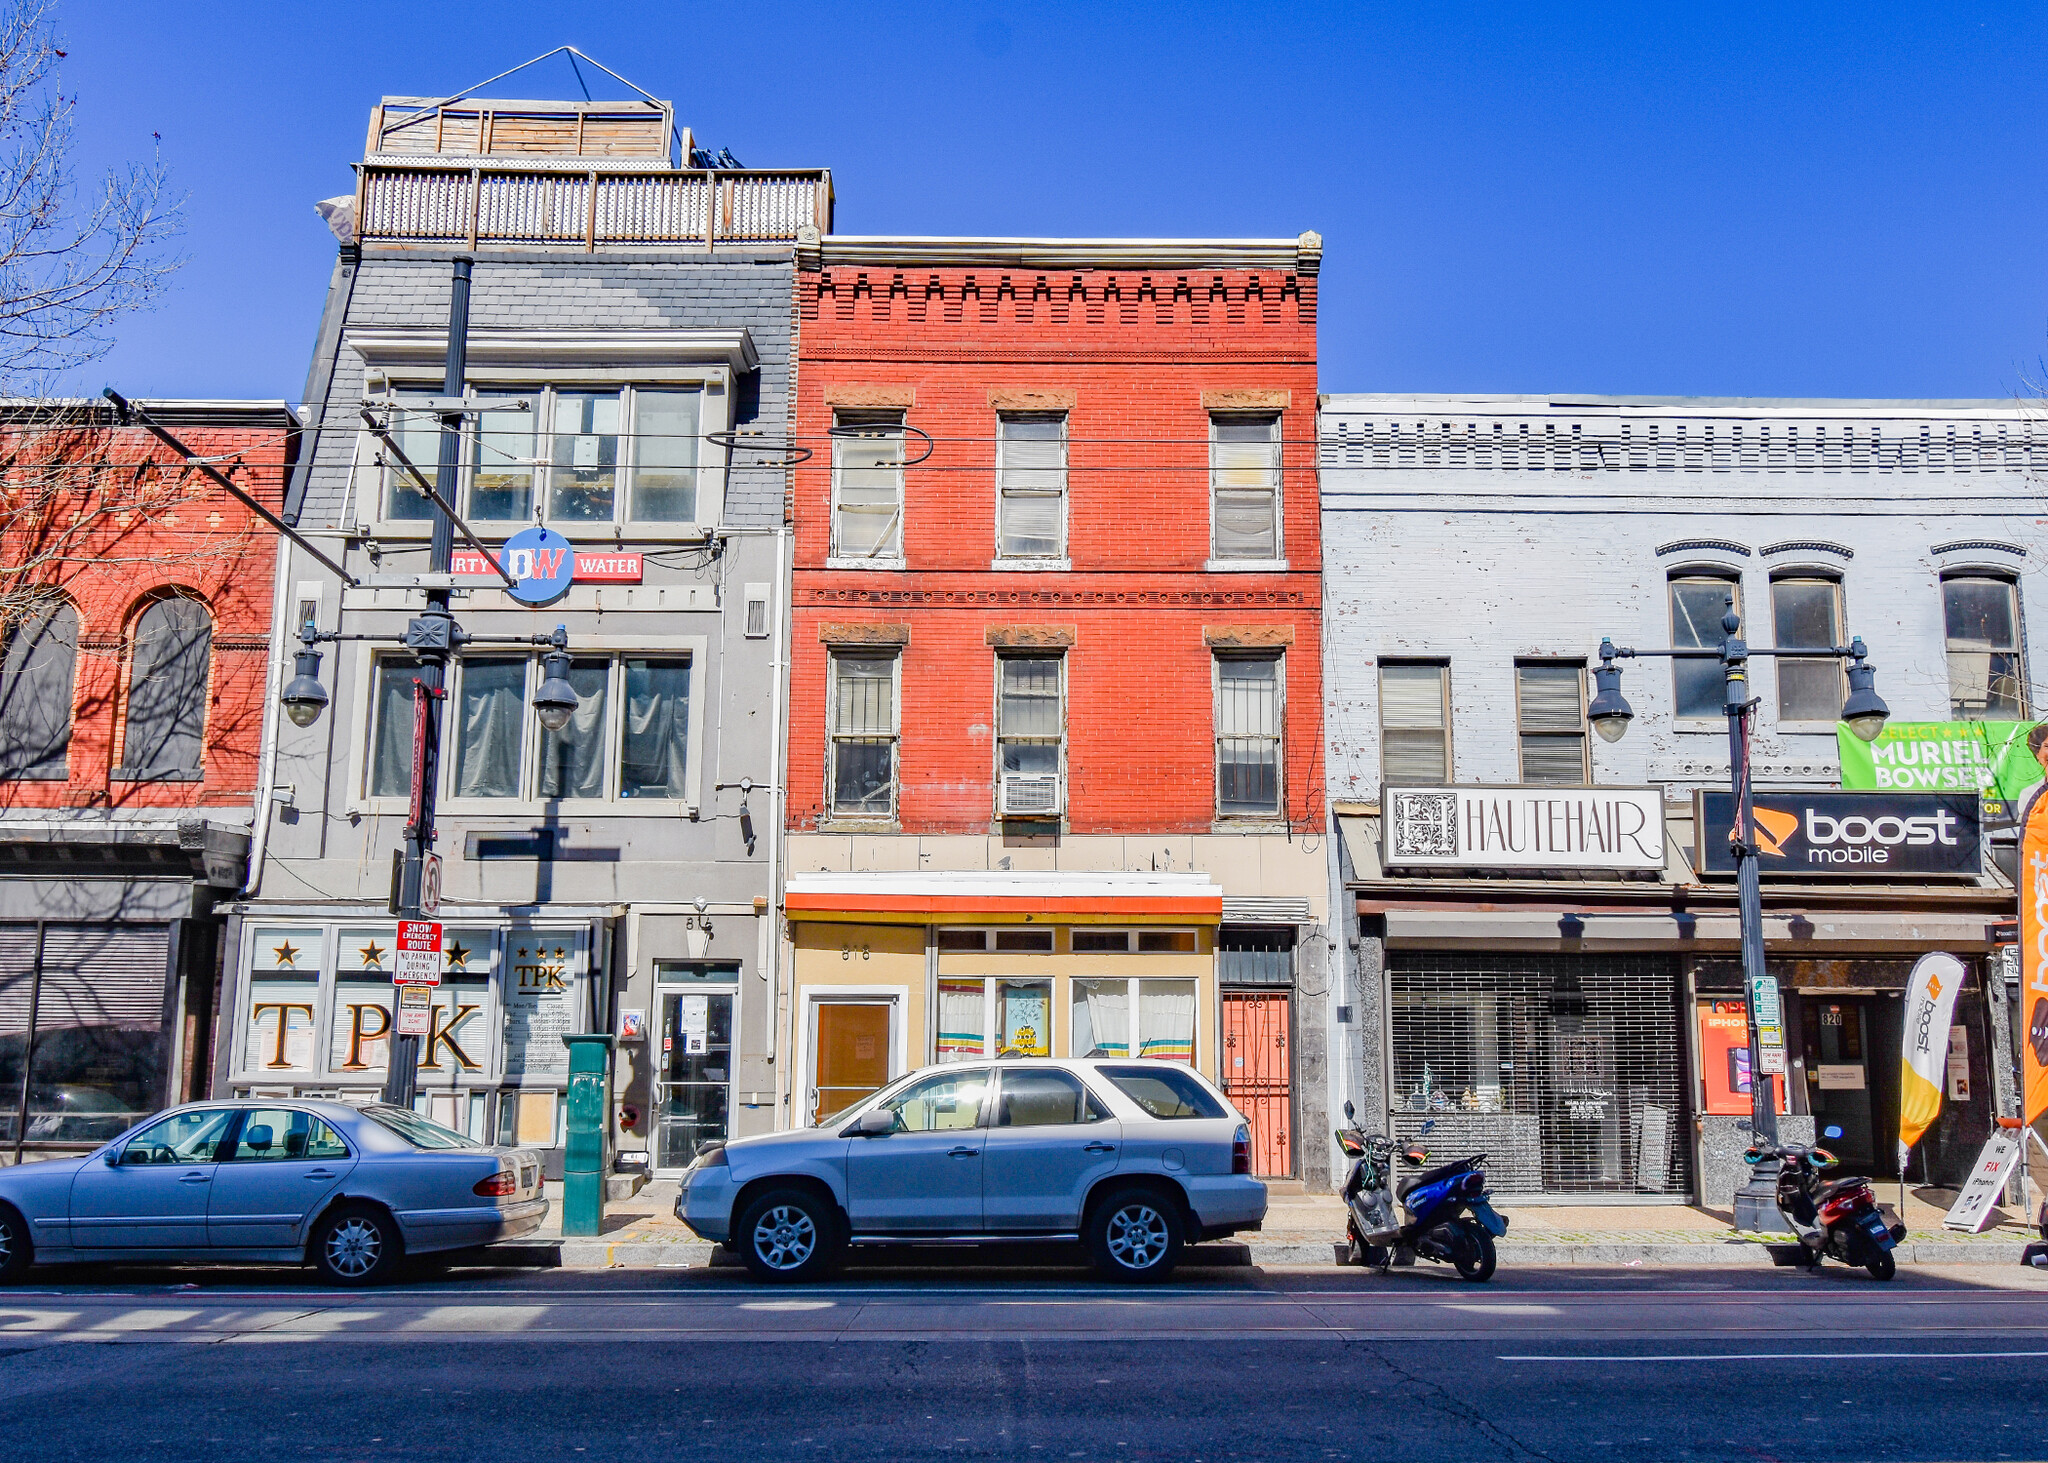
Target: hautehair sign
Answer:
[[1858, 835], [1607, 828]]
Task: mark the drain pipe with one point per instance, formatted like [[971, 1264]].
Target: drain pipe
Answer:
[[266, 755]]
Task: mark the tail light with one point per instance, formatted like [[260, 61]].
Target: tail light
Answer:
[[497, 1186], [1241, 1150]]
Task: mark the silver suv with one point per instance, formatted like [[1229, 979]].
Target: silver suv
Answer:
[[1136, 1158]]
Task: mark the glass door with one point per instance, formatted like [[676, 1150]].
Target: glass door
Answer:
[[1838, 1077], [695, 1072]]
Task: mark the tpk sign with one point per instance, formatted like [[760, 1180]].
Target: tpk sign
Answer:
[[1857, 835]]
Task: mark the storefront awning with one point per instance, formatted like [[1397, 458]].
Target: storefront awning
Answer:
[[1004, 895], [1786, 933]]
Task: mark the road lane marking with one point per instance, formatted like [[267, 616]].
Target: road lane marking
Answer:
[[1791, 1356]]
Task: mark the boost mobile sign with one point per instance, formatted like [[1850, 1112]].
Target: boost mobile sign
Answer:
[[1856, 835]]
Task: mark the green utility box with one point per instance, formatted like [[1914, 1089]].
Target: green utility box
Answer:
[[583, 1144]]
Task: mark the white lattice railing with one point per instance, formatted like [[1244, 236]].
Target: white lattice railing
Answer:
[[434, 203]]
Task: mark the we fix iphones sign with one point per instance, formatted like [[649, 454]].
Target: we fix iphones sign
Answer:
[[1852, 835]]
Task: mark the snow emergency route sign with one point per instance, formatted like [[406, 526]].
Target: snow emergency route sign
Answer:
[[417, 960]]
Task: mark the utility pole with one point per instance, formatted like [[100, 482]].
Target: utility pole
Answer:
[[432, 638]]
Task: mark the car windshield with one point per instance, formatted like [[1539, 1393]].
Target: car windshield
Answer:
[[416, 1130], [1164, 1092]]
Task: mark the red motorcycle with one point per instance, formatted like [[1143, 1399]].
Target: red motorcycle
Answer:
[[1838, 1218]]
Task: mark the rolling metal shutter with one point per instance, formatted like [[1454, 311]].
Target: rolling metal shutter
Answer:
[[17, 976], [103, 976], [1566, 1070]]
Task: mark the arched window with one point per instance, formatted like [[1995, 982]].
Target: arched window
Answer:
[[167, 691], [38, 667]]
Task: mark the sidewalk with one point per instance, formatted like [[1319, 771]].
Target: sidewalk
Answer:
[[1304, 1229]]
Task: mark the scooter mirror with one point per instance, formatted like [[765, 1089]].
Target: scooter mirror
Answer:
[[1831, 1131], [1753, 1155], [1821, 1158], [1350, 1115]]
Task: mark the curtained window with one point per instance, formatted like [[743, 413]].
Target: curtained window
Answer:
[[391, 741], [572, 761], [1415, 723], [1244, 480], [167, 691], [38, 670], [490, 728], [656, 753], [1031, 483]]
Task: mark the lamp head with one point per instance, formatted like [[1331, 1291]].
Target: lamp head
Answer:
[[1864, 711], [303, 697], [556, 700], [1609, 710]]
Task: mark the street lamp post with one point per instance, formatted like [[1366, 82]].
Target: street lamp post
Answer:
[[1863, 711]]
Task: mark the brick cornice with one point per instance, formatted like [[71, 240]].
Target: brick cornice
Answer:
[[1030, 637], [1247, 637], [860, 633]]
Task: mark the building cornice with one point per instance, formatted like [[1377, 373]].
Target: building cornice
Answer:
[[1301, 255]]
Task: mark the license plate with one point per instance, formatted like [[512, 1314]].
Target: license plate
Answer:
[[1875, 1228]]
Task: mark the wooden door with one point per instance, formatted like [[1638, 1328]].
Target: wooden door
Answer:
[[849, 1053], [1258, 1074]]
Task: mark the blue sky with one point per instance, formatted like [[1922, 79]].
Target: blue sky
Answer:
[[1704, 199]]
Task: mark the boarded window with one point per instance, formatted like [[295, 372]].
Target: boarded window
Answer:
[[1031, 479], [1415, 736], [166, 730], [37, 673], [1552, 713]]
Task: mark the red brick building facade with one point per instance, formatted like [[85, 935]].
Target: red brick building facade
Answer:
[[1056, 636]]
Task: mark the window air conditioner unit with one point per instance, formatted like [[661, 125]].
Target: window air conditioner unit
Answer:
[[1029, 795]]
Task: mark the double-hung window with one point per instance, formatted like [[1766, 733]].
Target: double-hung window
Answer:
[[862, 769], [1248, 731], [1028, 735], [1698, 603], [1550, 700], [621, 454], [1244, 483], [629, 738], [867, 487], [38, 671], [1415, 723], [1806, 612], [1986, 677], [1031, 486]]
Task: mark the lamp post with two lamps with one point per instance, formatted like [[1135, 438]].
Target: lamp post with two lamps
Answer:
[[1864, 713]]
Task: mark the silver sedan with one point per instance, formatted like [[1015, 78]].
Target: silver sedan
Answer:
[[1134, 1158], [349, 1191]]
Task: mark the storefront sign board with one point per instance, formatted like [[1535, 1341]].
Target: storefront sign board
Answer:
[[539, 1009], [417, 958], [1981, 1191], [1547, 828], [1988, 757], [1724, 1059], [1870, 836], [2033, 899], [590, 568]]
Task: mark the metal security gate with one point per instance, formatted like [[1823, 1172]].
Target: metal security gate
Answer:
[[1258, 1070], [1566, 1070]]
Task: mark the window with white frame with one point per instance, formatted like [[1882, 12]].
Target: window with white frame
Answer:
[[619, 454], [1244, 480], [1029, 735], [862, 767], [1550, 702], [1031, 486], [867, 485], [1415, 722], [1986, 676], [1806, 612], [1248, 722], [628, 739], [1698, 603]]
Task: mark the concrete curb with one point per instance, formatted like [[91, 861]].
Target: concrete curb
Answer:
[[643, 1254]]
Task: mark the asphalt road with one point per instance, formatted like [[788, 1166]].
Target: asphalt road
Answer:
[[1566, 1363]]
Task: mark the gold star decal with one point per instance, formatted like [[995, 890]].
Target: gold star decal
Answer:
[[373, 955], [560, 953], [458, 956], [287, 954]]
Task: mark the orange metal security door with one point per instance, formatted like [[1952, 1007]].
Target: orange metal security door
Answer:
[[1257, 1074]]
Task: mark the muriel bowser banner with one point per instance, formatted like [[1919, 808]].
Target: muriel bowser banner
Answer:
[[1988, 757], [1872, 836]]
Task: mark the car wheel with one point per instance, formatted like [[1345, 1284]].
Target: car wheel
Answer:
[[16, 1254], [790, 1235], [1135, 1234], [357, 1244]]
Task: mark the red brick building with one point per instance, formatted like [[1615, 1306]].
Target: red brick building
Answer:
[[1055, 682], [136, 603]]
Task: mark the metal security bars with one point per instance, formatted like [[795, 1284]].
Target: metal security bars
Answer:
[[1248, 736], [1566, 1070]]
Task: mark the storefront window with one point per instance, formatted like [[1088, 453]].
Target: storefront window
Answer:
[[1166, 1019], [283, 986], [963, 1020], [1013, 1018]]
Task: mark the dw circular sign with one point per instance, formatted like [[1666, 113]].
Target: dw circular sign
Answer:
[[542, 564]]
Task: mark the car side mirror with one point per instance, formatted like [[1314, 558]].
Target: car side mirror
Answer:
[[113, 1159], [876, 1123]]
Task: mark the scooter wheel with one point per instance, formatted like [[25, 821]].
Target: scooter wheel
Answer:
[[1472, 1252], [1883, 1267]]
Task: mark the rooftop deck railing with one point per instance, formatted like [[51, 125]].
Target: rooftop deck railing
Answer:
[[546, 204]]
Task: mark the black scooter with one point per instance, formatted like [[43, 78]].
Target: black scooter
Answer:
[[1449, 1220], [1835, 1217]]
